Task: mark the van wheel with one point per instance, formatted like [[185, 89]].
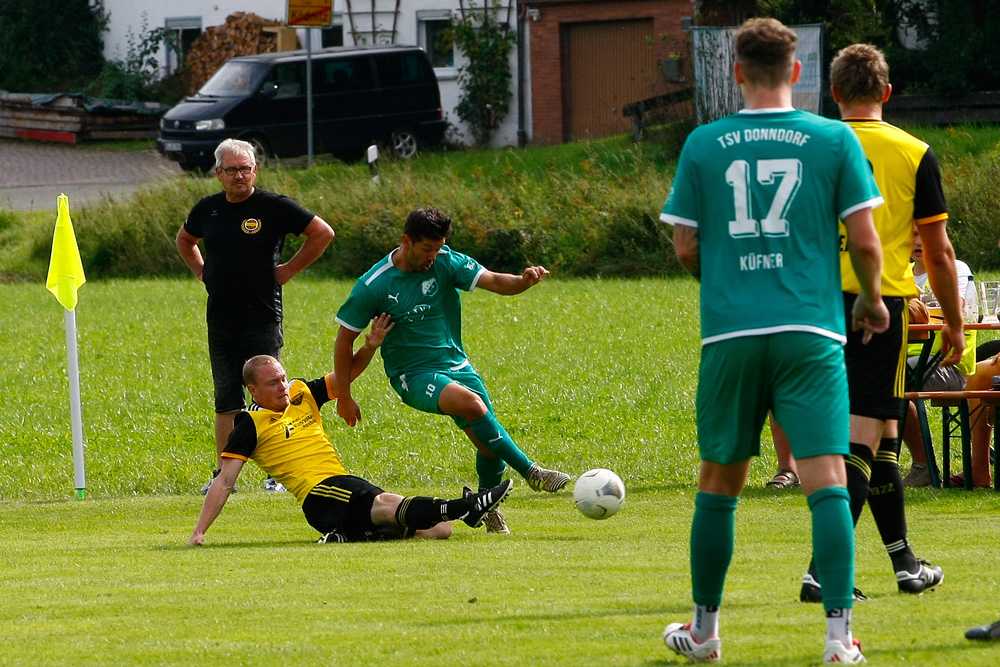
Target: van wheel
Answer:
[[261, 153], [404, 143]]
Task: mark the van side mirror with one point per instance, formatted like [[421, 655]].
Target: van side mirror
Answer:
[[269, 89]]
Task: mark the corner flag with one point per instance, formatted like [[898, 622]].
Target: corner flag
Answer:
[[65, 267], [65, 278]]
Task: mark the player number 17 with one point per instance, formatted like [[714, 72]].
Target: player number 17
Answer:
[[788, 173]]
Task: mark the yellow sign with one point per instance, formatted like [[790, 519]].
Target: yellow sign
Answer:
[[310, 13]]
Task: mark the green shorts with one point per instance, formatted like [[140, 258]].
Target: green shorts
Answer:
[[423, 390], [800, 376]]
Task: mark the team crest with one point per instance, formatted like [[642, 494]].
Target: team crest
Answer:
[[297, 398], [430, 287], [251, 225]]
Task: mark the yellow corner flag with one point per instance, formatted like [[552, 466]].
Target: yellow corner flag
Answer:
[[65, 266]]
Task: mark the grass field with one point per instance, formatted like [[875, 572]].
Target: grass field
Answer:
[[584, 373]]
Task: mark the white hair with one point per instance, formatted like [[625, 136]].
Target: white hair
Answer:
[[235, 147]]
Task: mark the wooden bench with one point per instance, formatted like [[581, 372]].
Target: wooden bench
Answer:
[[952, 422]]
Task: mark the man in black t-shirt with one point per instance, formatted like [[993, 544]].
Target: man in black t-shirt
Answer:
[[243, 230]]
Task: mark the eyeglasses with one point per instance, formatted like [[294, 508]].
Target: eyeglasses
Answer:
[[231, 171]]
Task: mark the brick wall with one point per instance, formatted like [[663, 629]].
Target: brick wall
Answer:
[[549, 113]]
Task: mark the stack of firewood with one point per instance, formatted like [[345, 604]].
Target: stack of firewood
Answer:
[[243, 34]]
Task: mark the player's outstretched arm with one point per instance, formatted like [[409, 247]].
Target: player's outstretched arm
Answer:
[[218, 493], [509, 284]]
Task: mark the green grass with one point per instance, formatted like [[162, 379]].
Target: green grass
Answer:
[[110, 582], [584, 373]]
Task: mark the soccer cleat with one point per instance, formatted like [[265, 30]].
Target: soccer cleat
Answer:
[[812, 592], [927, 577], [984, 632], [678, 638], [838, 654], [495, 523], [484, 502], [271, 485], [332, 538], [208, 484], [540, 479]]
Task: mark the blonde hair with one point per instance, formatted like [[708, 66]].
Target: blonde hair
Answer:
[[253, 364], [765, 49], [859, 73]]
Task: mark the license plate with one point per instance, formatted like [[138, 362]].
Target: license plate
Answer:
[[172, 146]]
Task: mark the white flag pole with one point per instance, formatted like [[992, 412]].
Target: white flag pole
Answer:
[[76, 416]]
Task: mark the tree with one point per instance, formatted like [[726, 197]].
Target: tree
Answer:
[[485, 79], [50, 45]]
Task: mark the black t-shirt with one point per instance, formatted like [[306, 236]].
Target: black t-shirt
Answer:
[[243, 244]]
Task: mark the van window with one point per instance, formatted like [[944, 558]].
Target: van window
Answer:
[[287, 80], [342, 74], [234, 79], [407, 69]]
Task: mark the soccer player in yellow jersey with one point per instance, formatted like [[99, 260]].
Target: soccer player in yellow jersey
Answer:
[[282, 432], [908, 176]]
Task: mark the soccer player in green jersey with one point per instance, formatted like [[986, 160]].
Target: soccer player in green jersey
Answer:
[[754, 204], [418, 285]]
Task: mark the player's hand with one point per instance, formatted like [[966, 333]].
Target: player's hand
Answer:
[[349, 410], [197, 539], [380, 327], [533, 275], [872, 317], [952, 344]]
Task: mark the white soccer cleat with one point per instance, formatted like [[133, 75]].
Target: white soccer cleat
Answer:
[[678, 638], [838, 654]]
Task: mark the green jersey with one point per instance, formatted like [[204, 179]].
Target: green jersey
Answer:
[[765, 189], [426, 308]]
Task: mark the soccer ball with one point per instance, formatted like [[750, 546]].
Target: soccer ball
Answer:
[[598, 493]]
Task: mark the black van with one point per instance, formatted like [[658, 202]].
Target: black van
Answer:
[[361, 95]]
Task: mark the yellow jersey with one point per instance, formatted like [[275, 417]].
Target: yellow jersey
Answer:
[[291, 446], [909, 178]]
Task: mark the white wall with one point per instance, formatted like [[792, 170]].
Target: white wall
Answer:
[[128, 17]]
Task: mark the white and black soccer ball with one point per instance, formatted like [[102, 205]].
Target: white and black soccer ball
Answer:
[[598, 493]]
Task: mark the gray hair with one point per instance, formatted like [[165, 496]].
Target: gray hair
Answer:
[[234, 147]]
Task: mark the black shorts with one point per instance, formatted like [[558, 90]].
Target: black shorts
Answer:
[[343, 504], [876, 372], [229, 348]]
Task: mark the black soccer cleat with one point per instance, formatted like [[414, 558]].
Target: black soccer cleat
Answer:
[[926, 578], [484, 501], [812, 592]]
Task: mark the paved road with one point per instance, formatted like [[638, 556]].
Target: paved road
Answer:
[[33, 174]]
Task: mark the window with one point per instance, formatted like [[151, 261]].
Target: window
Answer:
[[401, 70], [340, 75], [334, 35], [436, 37], [184, 31]]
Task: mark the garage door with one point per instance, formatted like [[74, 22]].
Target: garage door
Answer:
[[608, 64]]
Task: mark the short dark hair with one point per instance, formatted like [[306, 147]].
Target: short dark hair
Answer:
[[765, 49], [427, 223], [860, 74]]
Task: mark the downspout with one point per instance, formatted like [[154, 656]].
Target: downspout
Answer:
[[522, 133]]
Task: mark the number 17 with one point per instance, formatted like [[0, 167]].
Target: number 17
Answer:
[[789, 171]]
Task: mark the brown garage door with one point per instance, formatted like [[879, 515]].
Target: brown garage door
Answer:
[[608, 65]]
